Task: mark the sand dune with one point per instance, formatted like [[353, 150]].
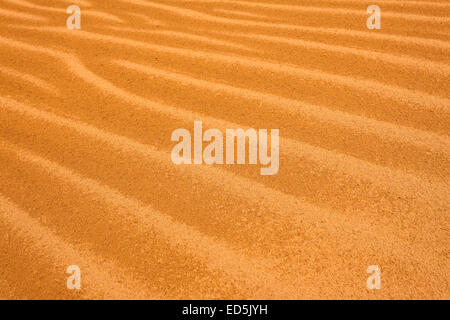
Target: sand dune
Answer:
[[85, 150]]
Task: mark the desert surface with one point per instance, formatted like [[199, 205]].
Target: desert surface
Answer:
[[86, 176]]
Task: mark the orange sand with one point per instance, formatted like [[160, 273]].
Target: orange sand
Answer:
[[85, 171]]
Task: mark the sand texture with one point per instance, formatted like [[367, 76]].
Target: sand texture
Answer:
[[86, 176]]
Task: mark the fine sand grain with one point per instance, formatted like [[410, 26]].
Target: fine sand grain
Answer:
[[86, 176]]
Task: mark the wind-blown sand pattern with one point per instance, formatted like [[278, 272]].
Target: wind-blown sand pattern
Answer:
[[86, 176]]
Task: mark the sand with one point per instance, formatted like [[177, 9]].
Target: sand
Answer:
[[86, 176]]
